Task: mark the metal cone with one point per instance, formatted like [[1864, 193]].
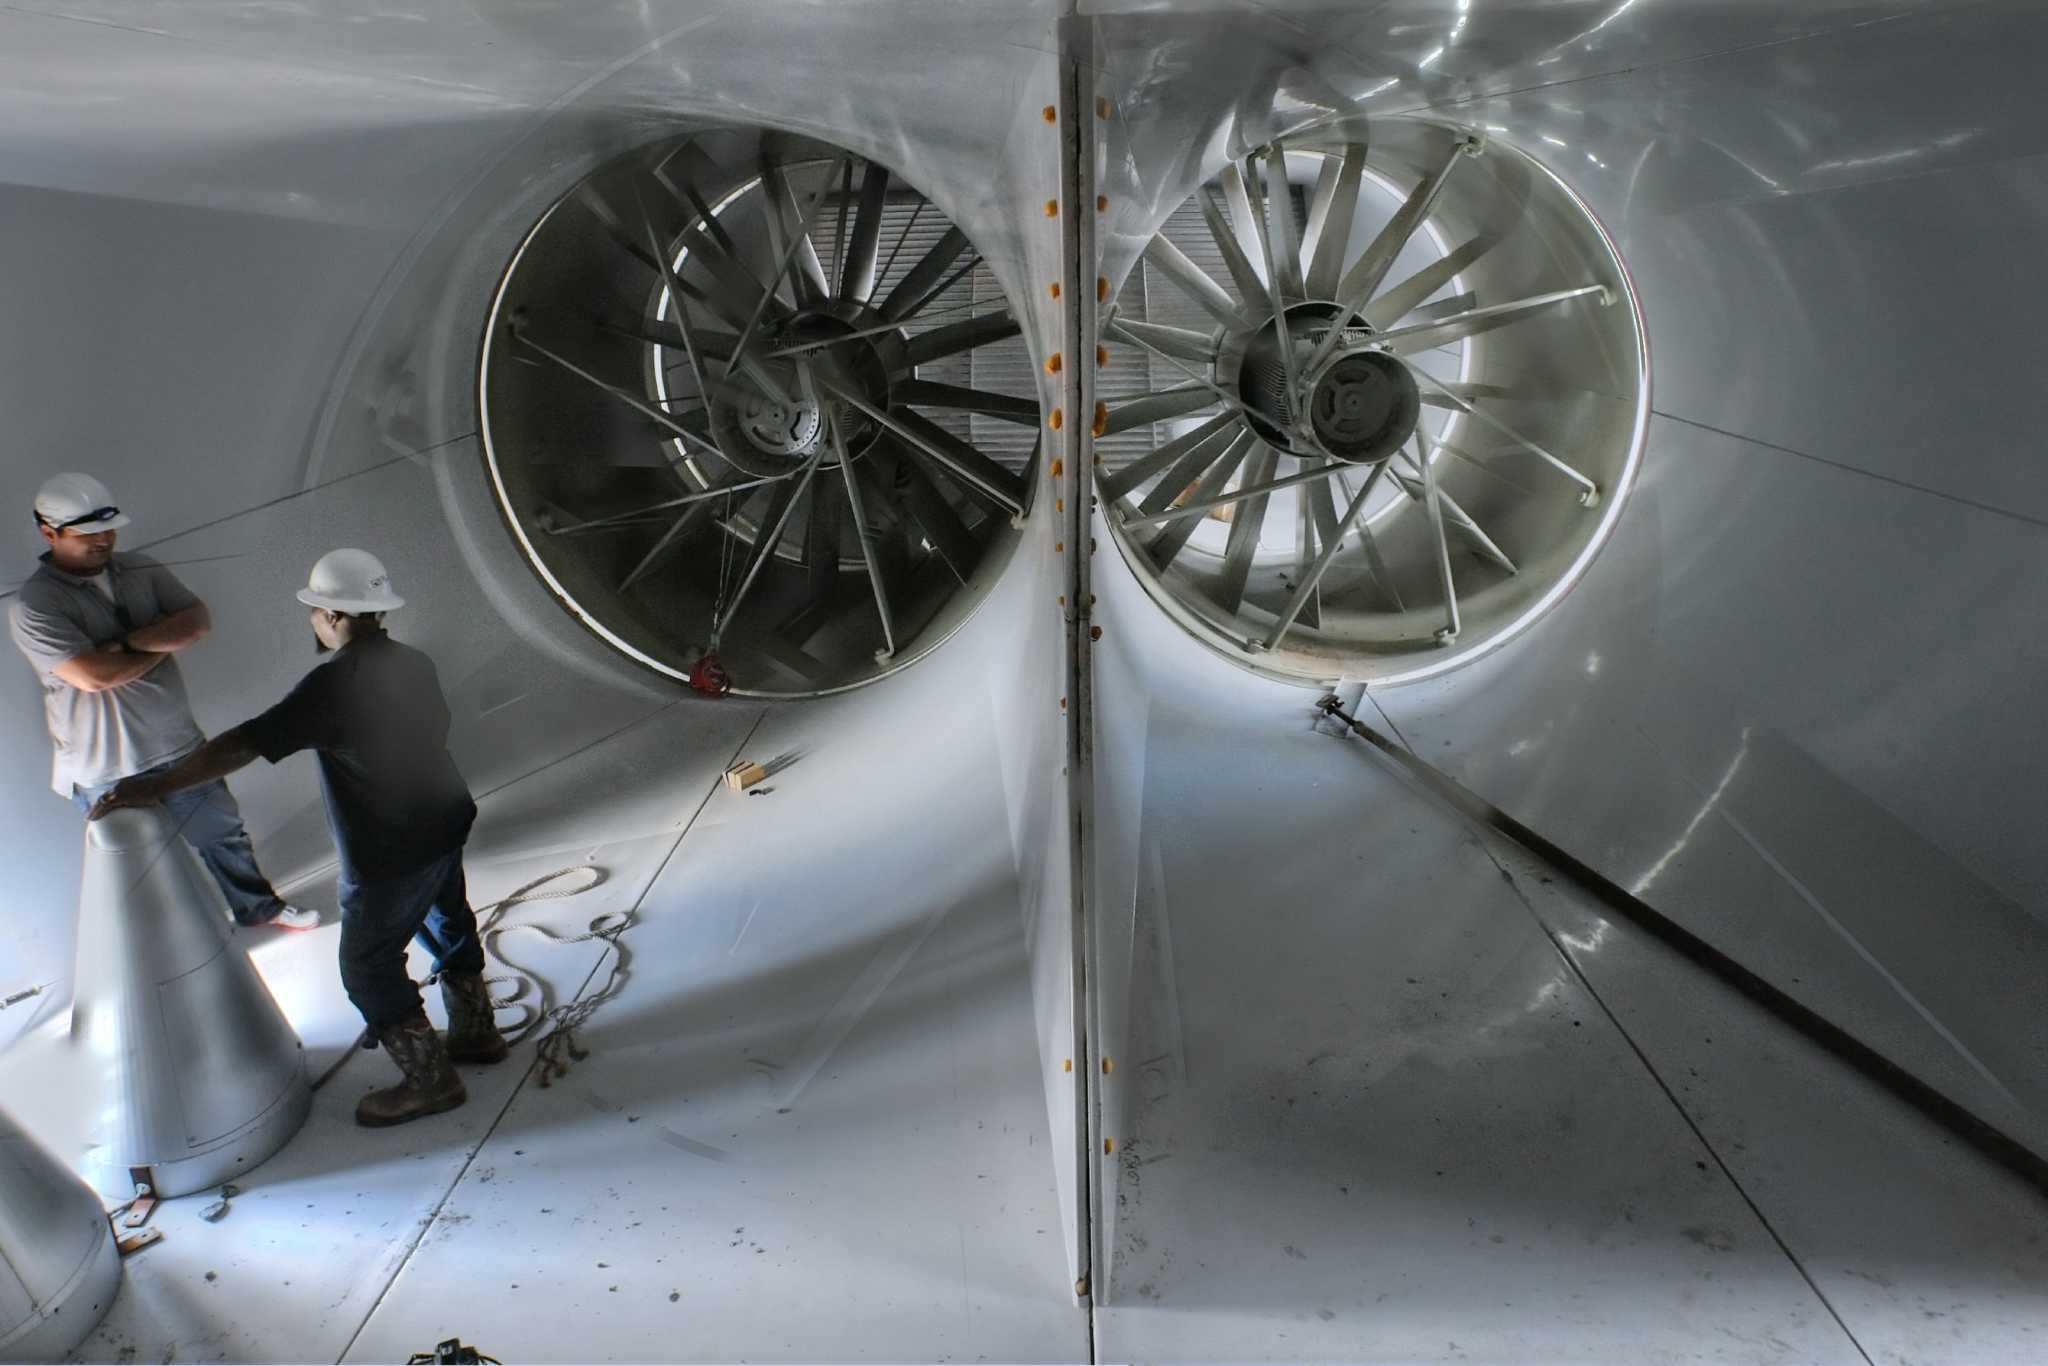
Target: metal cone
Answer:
[[201, 1076], [59, 1268]]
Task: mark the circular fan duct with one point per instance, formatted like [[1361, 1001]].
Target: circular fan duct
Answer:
[[751, 398], [1378, 394]]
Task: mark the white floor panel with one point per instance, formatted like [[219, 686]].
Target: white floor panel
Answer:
[[1395, 1128], [309, 1245], [1928, 1252], [294, 1267], [811, 1128], [1382, 1125]]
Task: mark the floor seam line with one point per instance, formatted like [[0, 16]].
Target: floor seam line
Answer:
[[1484, 838], [1657, 1078], [434, 1216], [519, 1087]]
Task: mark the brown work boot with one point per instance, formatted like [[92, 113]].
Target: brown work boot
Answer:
[[472, 1031], [430, 1084]]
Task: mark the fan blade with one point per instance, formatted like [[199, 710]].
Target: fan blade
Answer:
[[863, 253], [1157, 408], [914, 286], [1169, 542], [1191, 280], [1329, 226], [1127, 479], [1246, 521], [1404, 298], [926, 394], [965, 335]]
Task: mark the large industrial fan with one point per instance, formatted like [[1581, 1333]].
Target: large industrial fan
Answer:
[[752, 399], [1379, 389]]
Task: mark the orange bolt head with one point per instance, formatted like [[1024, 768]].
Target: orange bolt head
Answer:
[[1102, 203], [1107, 1067], [1051, 115], [1059, 505], [1060, 548], [1101, 288], [1052, 208], [1058, 419], [1059, 467], [1063, 599], [1054, 289], [1063, 704], [1102, 107], [1094, 633], [1109, 1145], [1101, 418], [1054, 364], [1102, 355]]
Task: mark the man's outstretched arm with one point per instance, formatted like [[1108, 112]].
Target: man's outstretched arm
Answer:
[[217, 758]]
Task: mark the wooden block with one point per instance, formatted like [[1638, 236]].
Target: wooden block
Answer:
[[744, 775]]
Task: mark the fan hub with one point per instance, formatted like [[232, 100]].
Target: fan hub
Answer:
[[777, 428], [832, 346], [1362, 406]]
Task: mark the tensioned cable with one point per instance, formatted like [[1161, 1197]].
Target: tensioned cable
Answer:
[[1979, 1133]]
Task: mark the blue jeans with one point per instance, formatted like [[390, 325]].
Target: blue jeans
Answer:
[[212, 824], [380, 916]]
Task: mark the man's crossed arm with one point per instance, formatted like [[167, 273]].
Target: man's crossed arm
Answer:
[[123, 661], [173, 632]]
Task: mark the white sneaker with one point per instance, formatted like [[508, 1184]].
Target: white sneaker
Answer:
[[294, 918]]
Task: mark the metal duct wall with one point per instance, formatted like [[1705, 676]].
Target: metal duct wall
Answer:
[[1791, 705]]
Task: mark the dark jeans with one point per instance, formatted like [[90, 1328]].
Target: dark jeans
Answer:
[[212, 824], [380, 916]]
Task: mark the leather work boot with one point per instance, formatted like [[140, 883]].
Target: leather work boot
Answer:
[[472, 1031], [430, 1084]]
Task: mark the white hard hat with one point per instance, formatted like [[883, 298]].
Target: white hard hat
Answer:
[[77, 502], [351, 581]]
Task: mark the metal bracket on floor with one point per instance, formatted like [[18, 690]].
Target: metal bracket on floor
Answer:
[[137, 1211], [129, 1234], [130, 1243]]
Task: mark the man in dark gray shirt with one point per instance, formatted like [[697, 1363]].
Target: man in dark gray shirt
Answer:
[[101, 630], [400, 812]]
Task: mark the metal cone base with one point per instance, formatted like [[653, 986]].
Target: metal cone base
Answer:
[[59, 1268], [201, 1076]]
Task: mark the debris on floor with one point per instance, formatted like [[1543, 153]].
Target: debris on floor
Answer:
[[217, 1211], [744, 775]]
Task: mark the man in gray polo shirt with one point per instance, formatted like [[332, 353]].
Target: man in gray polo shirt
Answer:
[[101, 629]]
